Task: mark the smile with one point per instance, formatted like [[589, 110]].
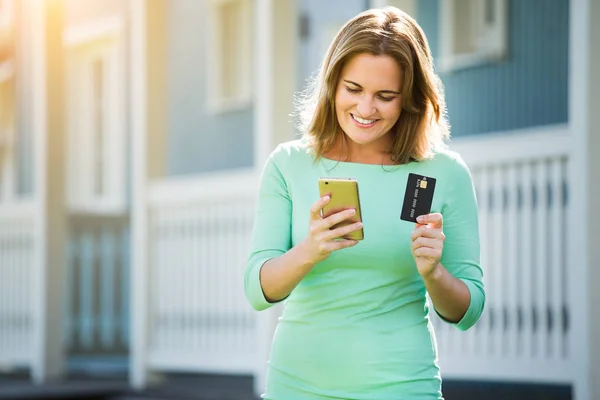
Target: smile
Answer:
[[364, 122]]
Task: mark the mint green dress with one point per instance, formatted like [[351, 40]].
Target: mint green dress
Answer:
[[358, 325]]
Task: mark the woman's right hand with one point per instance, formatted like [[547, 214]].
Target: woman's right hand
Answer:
[[321, 239]]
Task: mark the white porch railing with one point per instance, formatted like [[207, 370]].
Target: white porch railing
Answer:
[[17, 250], [524, 332], [199, 233]]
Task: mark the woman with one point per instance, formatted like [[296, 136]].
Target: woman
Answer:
[[356, 322]]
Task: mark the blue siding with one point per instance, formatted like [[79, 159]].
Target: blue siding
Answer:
[[198, 141], [321, 16], [529, 89]]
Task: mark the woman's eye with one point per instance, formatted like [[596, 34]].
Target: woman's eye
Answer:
[[352, 90], [386, 98]]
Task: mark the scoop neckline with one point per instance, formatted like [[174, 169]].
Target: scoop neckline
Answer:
[[387, 167], [334, 163]]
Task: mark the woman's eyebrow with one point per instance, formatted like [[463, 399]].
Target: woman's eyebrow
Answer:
[[381, 91]]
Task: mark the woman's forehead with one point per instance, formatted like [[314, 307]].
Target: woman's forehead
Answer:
[[370, 71]]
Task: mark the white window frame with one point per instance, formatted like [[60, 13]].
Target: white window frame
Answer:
[[242, 99], [489, 41], [104, 40]]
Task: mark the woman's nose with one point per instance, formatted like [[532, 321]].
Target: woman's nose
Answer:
[[365, 108]]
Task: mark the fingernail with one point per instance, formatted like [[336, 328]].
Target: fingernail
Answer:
[[326, 198], [420, 218]]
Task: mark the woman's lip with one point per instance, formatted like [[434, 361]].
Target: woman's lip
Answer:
[[362, 125]]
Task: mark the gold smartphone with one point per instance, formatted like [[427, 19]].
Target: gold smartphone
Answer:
[[344, 195]]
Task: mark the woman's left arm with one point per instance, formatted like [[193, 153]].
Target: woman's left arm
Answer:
[[446, 252]]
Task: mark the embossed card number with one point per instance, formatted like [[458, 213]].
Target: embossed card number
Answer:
[[418, 197]]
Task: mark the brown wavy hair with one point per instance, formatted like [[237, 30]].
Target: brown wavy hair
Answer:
[[422, 126]]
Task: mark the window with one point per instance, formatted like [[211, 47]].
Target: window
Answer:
[[473, 32], [230, 55], [96, 141]]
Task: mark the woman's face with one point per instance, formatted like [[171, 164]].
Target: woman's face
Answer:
[[367, 99]]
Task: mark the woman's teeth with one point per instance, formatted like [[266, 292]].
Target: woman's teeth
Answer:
[[363, 121]]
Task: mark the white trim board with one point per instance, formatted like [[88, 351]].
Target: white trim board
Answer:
[[186, 189], [507, 146]]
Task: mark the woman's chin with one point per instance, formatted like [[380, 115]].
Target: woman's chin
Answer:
[[362, 139]]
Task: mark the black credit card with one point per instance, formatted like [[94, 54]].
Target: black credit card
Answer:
[[418, 197]]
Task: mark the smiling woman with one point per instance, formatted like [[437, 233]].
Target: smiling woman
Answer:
[[356, 322]]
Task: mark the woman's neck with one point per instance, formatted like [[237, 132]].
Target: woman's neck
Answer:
[[347, 151]]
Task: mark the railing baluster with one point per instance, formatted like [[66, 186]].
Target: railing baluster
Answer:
[[207, 242], [497, 231], [511, 292], [3, 289], [125, 285], [555, 263], [526, 261], [196, 278], [541, 266], [107, 287], [86, 287], [484, 329], [187, 269]]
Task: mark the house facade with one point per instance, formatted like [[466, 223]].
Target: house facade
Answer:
[[132, 136]]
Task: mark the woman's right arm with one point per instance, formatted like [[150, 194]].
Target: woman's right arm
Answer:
[[274, 267], [279, 276]]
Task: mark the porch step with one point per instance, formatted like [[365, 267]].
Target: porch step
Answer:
[[196, 387], [225, 387], [215, 387], [68, 390], [474, 390]]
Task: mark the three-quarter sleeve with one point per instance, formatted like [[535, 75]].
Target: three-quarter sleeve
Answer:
[[461, 254], [271, 234]]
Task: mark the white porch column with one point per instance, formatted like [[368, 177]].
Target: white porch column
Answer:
[[138, 375], [44, 21], [275, 75], [584, 252], [148, 127]]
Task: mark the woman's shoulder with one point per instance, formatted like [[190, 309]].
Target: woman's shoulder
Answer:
[[291, 152], [449, 160]]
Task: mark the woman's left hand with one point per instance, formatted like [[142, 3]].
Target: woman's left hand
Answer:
[[427, 243]]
